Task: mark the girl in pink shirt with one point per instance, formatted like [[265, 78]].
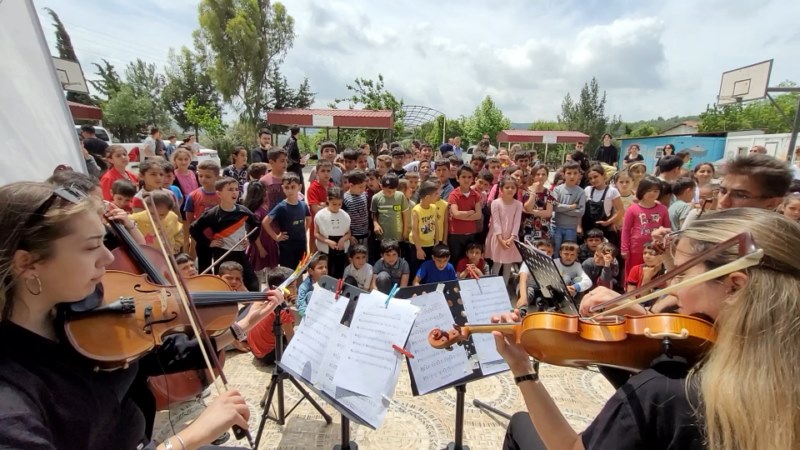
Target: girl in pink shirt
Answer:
[[506, 214], [640, 220]]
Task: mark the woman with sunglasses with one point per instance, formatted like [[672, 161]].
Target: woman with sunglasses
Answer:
[[51, 253], [744, 395]]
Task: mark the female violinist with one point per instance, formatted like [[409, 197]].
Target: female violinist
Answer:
[[52, 252], [744, 395]]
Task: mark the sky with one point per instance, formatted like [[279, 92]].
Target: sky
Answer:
[[652, 58]]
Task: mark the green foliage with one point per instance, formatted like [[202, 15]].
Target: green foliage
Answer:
[[109, 83], [125, 114], [486, 119], [207, 118], [435, 132], [372, 95], [760, 114], [545, 125], [659, 123], [187, 78], [66, 51], [244, 40], [147, 82], [286, 97], [587, 114], [644, 130]]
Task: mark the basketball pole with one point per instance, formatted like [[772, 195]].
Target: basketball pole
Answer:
[[796, 124]]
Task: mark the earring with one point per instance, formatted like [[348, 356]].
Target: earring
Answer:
[[38, 285]]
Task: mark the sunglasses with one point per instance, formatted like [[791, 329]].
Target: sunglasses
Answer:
[[69, 194]]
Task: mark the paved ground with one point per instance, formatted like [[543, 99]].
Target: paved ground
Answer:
[[425, 422]]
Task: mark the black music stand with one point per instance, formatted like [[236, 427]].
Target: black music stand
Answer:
[[543, 270], [276, 385], [451, 291]]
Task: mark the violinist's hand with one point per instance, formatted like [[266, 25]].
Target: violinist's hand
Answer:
[[225, 411], [659, 236], [594, 297], [259, 310], [516, 356], [118, 215]]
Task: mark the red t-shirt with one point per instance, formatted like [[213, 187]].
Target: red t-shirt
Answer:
[[465, 203], [462, 265], [112, 175], [315, 195], [198, 201], [261, 339]]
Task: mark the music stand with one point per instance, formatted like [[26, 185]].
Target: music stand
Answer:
[[543, 270], [276, 385]]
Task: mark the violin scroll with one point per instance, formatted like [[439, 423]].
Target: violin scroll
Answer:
[[440, 339]]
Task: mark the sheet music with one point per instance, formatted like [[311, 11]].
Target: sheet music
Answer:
[[310, 343], [482, 299], [434, 368], [368, 359], [371, 410]]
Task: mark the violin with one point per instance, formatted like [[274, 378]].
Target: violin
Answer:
[[630, 342]]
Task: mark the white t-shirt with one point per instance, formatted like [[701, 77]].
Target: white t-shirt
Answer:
[[413, 166], [608, 202], [363, 275], [331, 224]]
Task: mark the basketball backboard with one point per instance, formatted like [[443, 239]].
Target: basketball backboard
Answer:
[[70, 75], [745, 83]]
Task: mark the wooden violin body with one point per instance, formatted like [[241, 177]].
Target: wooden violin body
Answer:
[[630, 343]]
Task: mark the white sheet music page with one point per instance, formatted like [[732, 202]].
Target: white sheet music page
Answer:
[[372, 410], [368, 361], [434, 368], [482, 299], [310, 343]]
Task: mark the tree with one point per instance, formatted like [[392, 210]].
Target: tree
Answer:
[[587, 114], [206, 118], [146, 82], [188, 78], [304, 97], [437, 130], [761, 115], [545, 125], [244, 40], [486, 119], [66, 51], [372, 95], [109, 83], [125, 113], [644, 130]]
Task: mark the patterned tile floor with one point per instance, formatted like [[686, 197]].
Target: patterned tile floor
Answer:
[[426, 422]]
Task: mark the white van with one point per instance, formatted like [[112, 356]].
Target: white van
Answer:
[[100, 132]]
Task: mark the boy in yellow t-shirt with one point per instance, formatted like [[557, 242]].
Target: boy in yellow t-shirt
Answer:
[[169, 221], [424, 225]]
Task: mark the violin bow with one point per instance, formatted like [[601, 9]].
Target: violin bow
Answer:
[[222, 258], [750, 256], [206, 347]]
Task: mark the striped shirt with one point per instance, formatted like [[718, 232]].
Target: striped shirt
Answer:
[[357, 207]]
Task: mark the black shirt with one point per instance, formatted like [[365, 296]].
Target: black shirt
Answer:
[[53, 399], [650, 411], [608, 155], [630, 160], [258, 154], [97, 148]]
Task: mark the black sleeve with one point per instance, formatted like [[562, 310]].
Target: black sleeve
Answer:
[[177, 353], [255, 156], [252, 223], [197, 228], [23, 424], [614, 427]]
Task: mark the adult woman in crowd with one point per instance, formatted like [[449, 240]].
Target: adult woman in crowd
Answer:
[[744, 395], [606, 152], [703, 174], [632, 156], [52, 253], [669, 150]]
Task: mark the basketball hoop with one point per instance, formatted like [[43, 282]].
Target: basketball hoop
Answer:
[[744, 84]]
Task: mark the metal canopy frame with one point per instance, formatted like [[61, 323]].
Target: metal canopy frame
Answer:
[[414, 116]]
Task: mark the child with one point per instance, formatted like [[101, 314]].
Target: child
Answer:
[[539, 207], [390, 210], [350, 156], [413, 184], [382, 165], [471, 262], [199, 201], [522, 159], [233, 273], [437, 270], [424, 170], [186, 265], [169, 183], [170, 222], [651, 268], [356, 206], [151, 174], [640, 220], [569, 204], [358, 273], [263, 253], [791, 206], [373, 183], [423, 225], [117, 158], [238, 168], [441, 169], [184, 177], [293, 219], [224, 227], [332, 232], [402, 186], [397, 162], [637, 172], [391, 269], [261, 338], [317, 194], [477, 163], [602, 268], [571, 270], [683, 189], [273, 181], [317, 268], [506, 214], [464, 209], [455, 164], [624, 184], [529, 291], [327, 151], [254, 173], [590, 243], [604, 208], [122, 192]]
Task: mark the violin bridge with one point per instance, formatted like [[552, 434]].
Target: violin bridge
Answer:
[[163, 296]]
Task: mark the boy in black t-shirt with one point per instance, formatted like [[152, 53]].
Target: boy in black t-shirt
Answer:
[[293, 219]]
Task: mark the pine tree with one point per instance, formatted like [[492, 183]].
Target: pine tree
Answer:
[[67, 52]]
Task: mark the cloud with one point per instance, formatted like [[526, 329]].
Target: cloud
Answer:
[[653, 60]]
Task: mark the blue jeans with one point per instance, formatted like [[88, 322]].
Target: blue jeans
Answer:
[[563, 234]]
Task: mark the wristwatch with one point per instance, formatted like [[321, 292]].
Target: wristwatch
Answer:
[[528, 377], [238, 332]]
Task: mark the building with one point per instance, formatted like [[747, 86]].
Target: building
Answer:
[[683, 128], [708, 147]]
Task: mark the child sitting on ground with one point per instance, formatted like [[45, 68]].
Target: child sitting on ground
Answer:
[[186, 265], [359, 272], [473, 260], [652, 267], [317, 268], [571, 270], [391, 269], [603, 267], [589, 247], [233, 274], [528, 289], [437, 270]]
